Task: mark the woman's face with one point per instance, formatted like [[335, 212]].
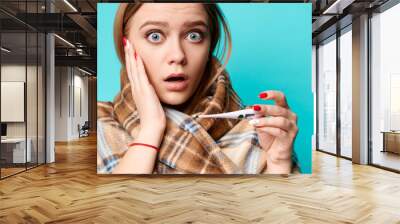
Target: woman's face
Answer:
[[173, 40]]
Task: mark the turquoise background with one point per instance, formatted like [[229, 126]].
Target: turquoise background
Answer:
[[271, 51]]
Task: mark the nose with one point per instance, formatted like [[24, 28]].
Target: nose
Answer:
[[177, 54]]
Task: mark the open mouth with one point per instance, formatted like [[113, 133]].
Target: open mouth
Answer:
[[176, 82], [175, 79]]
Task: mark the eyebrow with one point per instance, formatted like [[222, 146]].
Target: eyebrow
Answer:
[[165, 24], [195, 23]]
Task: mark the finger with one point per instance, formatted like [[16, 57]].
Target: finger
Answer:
[[134, 77], [277, 122], [273, 110], [127, 61], [277, 132], [277, 96]]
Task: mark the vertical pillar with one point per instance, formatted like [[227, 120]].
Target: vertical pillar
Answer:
[[360, 89], [50, 92]]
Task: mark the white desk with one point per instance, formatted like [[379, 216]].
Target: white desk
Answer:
[[18, 149]]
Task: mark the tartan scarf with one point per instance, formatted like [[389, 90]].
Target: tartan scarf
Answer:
[[189, 145]]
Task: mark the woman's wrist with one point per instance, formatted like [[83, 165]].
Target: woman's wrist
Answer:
[[278, 166], [151, 137]]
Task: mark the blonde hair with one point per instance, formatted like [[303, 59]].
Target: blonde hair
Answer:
[[216, 19]]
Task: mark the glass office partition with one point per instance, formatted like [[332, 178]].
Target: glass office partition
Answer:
[[327, 95], [22, 77], [14, 153], [34, 65], [31, 99], [41, 87]]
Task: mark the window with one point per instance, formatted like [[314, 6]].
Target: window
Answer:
[[346, 92], [327, 95], [385, 89]]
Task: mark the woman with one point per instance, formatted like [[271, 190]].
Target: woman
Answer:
[[170, 74]]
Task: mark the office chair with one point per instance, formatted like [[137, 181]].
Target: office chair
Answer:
[[84, 130]]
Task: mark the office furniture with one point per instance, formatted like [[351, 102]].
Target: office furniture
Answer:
[[84, 130], [13, 150], [391, 141]]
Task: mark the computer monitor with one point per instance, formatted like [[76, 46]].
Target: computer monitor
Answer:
[[3, 129]]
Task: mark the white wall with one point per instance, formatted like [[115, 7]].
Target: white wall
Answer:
[[34, 125], [61, 103], [70, 83], [80, 84], [14, 73]]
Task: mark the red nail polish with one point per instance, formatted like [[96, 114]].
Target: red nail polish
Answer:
[[135, 55], [263, 95], [256, 108], [124, 41]]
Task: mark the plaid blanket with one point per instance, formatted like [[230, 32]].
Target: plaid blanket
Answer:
[[190, 145]]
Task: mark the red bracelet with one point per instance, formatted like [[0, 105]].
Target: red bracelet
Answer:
[[142, 144]]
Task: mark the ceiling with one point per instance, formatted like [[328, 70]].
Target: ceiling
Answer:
[[329, 16], [76, 22], [72, 20]]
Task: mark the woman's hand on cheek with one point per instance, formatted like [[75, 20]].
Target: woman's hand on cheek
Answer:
[[151, 113], [276, 127]]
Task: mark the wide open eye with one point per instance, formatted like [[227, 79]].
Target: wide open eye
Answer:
[[195, 36], [154, 37]]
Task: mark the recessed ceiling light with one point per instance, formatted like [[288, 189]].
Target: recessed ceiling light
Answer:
[[64, 40], [337, 7], [84, 71], [5, 50], [70, 5]]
